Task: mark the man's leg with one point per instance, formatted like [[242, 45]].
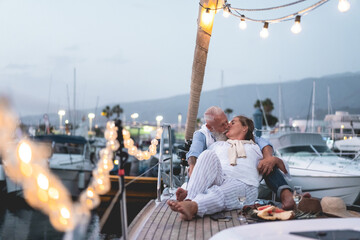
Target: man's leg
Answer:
[[276, 182]]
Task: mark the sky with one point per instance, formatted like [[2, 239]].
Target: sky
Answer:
[[135, 50]]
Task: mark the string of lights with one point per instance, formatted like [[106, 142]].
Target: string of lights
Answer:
[[25, 162], [228, 10]]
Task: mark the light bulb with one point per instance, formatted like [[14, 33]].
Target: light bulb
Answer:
[[265, 32], [226, 12], [24, 152], [296, 28], [206, 16], [242, 24], [43, 181], [343, 5]]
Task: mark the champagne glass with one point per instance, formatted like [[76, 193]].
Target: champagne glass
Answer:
[[297, 194], [242, 218]]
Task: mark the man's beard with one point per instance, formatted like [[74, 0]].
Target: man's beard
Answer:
[[220, 136]]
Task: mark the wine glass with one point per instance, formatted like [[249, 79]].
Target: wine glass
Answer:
[[297, 194], [242, 218]]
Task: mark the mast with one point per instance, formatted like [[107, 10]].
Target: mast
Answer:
[[329, 101], [74, 99], [222, 90], [280, 106], [313, 109]]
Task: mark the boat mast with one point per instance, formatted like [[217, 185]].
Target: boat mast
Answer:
[[329, 101], [222, 90], [74, 100], [280, 106], [313, 109]]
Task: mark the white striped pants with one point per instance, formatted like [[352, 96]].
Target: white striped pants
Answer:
[[212, 190]]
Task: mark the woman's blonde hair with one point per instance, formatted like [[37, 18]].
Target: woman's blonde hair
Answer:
[[245, 121]]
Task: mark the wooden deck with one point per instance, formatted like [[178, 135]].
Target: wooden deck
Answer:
[[158, 221]]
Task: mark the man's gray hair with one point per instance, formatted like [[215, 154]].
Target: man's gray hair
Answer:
[[211, 112]]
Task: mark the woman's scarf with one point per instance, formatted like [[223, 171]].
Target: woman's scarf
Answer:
[[237, 150]]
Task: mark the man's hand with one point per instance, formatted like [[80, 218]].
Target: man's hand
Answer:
[[266, 165], [191, 162]]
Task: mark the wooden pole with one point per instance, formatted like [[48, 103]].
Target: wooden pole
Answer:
[[205, 24]]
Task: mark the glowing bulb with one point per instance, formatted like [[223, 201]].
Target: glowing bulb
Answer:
[[242, 24], [90, 193], [146, 155], [53, 193], [116, 162], [154, 142], [110, 135], [265, 32], [206, 16], [110, 125], [296, 28], [139, 155], [126, 134], [343, 5], [132, 150], [226, 12], [65, 213], [128, 143], [43, 181], [24, 152]]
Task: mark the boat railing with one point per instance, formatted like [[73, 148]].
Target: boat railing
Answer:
[[161, 160]]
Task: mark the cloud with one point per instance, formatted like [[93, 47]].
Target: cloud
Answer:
[[72, 48], [119, 59], [19, 66]]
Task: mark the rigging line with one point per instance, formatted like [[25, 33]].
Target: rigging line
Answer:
[[269, 8], [211, 9], [284, 18], [141, 175]]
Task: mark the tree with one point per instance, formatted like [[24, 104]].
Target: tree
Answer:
[[228, 111], [106, 112], [117, 110], [268, 106]]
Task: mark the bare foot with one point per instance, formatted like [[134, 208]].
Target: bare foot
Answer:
[[287, 200], [187, 209], [181, 194]]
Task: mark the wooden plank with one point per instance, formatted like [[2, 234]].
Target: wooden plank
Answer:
[[191, 229], [169, 225], [230, 223], [235, 218], [199, 229], [207, 227], [164, 216], [148, 224], [155, 224], [183, 230], [176, 227], [222, 225], [214, 227]]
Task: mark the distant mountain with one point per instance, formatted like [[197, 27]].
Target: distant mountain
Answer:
[[296, 100]]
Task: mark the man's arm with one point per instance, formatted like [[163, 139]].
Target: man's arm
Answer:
[[266, 165], [198, 145]]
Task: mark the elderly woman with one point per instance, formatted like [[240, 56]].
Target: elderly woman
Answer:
[[222, 174]]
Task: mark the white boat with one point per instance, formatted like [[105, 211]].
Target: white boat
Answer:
[[71, 160], [317, 169]]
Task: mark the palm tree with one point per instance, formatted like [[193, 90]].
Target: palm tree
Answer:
[[228, 111], [198, 69], [117, 110], [106, 112]]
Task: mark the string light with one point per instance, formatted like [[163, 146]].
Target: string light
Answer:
[[226, 11], [296, 28], [343, 5], [242, 24], [264, 33], [206, 16]]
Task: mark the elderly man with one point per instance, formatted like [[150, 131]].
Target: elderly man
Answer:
[[214, 130]]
